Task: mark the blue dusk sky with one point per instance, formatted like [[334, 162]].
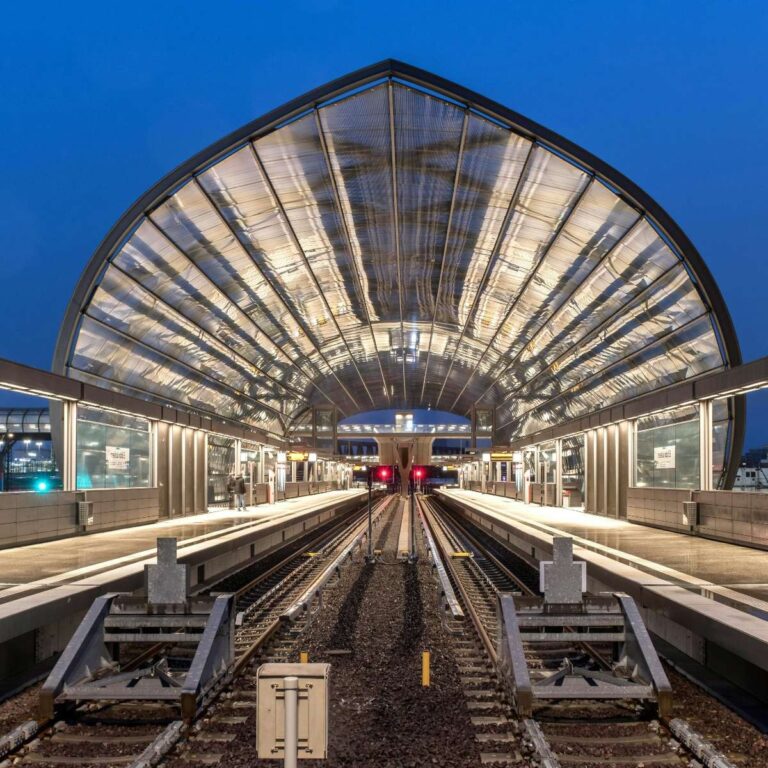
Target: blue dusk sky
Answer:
[[99, 100]]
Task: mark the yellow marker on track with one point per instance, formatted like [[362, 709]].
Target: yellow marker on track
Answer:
[[425, 669], [462, 554], [304, 657]]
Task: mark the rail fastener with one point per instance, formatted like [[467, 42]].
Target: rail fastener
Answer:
[[160, 747], [539, 745], [15, 738], [696, 743]]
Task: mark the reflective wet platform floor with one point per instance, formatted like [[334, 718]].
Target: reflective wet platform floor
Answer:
[[729, 573], [64, 558]]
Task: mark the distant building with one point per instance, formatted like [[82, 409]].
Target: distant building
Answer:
[[752, 475]]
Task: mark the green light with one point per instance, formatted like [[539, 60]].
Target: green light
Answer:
[[42, 486]]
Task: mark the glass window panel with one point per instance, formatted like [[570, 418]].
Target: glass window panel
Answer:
[[547, 463], [667, 449], [676, 302], [550, 189], [221, 464], [125, 306], [113, 450], [573, 451], [690, 351], [722, 425], [427, 138], [357, 136], [295, 163], [103, 353], [597, 223]]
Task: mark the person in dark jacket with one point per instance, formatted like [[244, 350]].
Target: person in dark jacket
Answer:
[[240, 490]]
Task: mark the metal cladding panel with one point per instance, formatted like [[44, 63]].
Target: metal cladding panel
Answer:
[[395, 246]]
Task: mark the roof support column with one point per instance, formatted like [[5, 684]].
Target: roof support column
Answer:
[[705, 445], [67, 459]]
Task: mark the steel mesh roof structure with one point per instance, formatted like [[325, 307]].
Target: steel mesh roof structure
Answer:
[[393, 240]]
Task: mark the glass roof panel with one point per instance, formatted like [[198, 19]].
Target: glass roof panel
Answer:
[[268, 280], [124, 305], [427, 139], [356, 132], [550, 190], [104, 353]]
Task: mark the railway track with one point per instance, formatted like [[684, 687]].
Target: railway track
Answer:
[[143, 734], [584, 733]]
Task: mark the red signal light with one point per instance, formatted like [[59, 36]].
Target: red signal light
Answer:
[[383, 473], [418, 473]]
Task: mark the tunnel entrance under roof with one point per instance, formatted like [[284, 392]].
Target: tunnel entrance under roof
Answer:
[[393, 240]]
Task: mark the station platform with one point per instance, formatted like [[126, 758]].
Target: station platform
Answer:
[[729, 573], [70, 559], [705, 599], [47, 587]]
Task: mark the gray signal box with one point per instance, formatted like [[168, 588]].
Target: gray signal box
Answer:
[[313, 698]]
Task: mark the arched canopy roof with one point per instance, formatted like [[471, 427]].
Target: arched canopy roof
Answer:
[[394, 240]]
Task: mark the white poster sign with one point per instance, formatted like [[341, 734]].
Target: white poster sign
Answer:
[[117, 458], [664, 457]]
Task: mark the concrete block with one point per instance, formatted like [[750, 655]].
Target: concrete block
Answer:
[[758, 501], [167, 581], [760, 532], [563, 578], [8, 531], [742, 529], [27, 529], [48, 527], [8, 500]]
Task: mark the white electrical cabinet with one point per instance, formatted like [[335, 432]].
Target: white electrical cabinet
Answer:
[[313, 697]]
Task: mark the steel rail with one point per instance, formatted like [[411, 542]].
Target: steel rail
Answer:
[[448, 591], [526, 589], [173, 734], [305, 600], [469, 607]]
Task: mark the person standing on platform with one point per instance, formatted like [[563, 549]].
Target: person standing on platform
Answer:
[[240, 489]]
